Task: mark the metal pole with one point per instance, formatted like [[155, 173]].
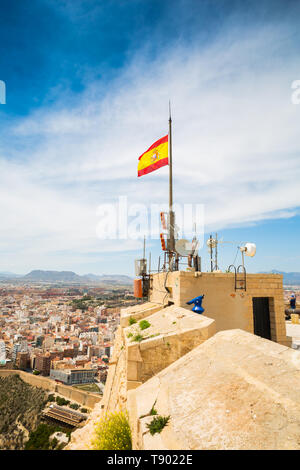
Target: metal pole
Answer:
[[171, 246], [216, 253], [211, 254]]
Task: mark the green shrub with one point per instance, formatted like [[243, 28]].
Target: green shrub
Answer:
[[39, 438], [129, 335], [157, 424], [138, 338], [36, 372], [74, 406], [113, 433], [84, 410], [62, 401], [132, 321], [51, 397], [144, 324]]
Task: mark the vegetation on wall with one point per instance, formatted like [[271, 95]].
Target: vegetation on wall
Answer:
[[144, 324], [113, 432], [157, 424], [152, 412], [138, 338]]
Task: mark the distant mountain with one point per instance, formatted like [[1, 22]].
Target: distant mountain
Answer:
[[70, 276], [115, 279], [39, 275], [288, 278]]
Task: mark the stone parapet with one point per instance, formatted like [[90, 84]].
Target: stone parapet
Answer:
[[138, 312], [172, 332], [234, 391]]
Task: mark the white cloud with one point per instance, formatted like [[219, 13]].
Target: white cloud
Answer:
[[235, 134]]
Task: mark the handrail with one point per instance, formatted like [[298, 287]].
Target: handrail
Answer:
[[236, 280], [244, 277]]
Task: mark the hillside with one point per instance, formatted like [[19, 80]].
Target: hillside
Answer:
[[20, 409], [39, 275]]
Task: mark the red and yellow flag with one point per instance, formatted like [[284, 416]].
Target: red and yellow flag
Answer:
[[155, 157]]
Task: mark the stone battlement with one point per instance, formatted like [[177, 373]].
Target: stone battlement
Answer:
[[80, 396], [204, 371]]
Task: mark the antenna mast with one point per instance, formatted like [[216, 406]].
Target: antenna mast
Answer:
[[216, 253], [171, 239]]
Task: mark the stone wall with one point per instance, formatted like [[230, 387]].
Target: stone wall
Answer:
[[234, 391], [173, 332], [175, 341], [83, 398], [115, 392], [138, 312], [230, 308]]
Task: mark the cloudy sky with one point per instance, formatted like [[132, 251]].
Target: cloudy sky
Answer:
[[87, 90]]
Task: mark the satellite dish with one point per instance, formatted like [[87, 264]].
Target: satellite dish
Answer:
[[249, 249], [183, 247], [211, 242]]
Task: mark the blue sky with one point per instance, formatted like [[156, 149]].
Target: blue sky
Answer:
[[88, 84]]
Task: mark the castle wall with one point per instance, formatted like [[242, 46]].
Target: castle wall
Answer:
[[83, 398], [173, 332], [136, 367], [138, 312], [115, 392], [234, 391]]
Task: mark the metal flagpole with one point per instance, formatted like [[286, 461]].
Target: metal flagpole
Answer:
[[171, 241]]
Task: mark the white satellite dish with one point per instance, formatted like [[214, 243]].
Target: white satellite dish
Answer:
[[211, 243], [183, 247], [249, 249]]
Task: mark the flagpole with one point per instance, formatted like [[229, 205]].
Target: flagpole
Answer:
[[171, 240]]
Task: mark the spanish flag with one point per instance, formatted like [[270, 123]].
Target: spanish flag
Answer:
[[155, 157]]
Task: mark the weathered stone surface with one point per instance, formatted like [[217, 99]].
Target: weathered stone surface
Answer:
[[138, 312], [178, 329], [235, 391], [173, 332]]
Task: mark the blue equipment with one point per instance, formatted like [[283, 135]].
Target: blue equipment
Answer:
[[198, 304]]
